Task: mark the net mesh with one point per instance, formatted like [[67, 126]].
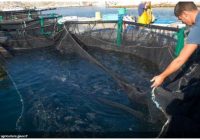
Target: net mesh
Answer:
[[31, 35], [155, 44], [70, 43]]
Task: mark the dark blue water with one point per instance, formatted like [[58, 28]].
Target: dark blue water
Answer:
[[10, 106], [60, 94], [51, 92]]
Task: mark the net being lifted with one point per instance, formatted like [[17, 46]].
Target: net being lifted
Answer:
[[37, 33], [156, 44], [70, 43]]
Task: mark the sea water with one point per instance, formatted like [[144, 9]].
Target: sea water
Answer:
[[54, 93], [159, 13]]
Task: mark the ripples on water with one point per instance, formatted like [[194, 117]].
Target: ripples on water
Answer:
[[9, 106], [60, 93]]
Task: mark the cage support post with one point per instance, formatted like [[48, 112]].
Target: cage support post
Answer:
[[42, 25], [121, 13], [180, 41]]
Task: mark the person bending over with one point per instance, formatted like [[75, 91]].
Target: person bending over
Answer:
[[188, 13]]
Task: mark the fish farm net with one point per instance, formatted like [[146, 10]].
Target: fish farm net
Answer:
[[70, 43], [36, 33], [156, 44]]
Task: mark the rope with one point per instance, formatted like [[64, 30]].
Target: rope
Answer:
[[18, 92], [66, 33], [159, 107], [154, 100]]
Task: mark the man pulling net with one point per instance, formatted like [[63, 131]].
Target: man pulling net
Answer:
[[183, 113]]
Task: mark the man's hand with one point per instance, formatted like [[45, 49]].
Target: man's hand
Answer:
[[157, 81]]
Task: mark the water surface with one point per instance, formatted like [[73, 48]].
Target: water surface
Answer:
[[51, 92]]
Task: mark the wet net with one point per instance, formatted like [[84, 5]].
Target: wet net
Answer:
[[155, 44], [70, 43]]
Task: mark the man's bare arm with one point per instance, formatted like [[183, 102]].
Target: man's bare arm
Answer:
[[176, 64]]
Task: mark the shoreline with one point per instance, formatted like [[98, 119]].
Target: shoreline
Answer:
[[44, 5]]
